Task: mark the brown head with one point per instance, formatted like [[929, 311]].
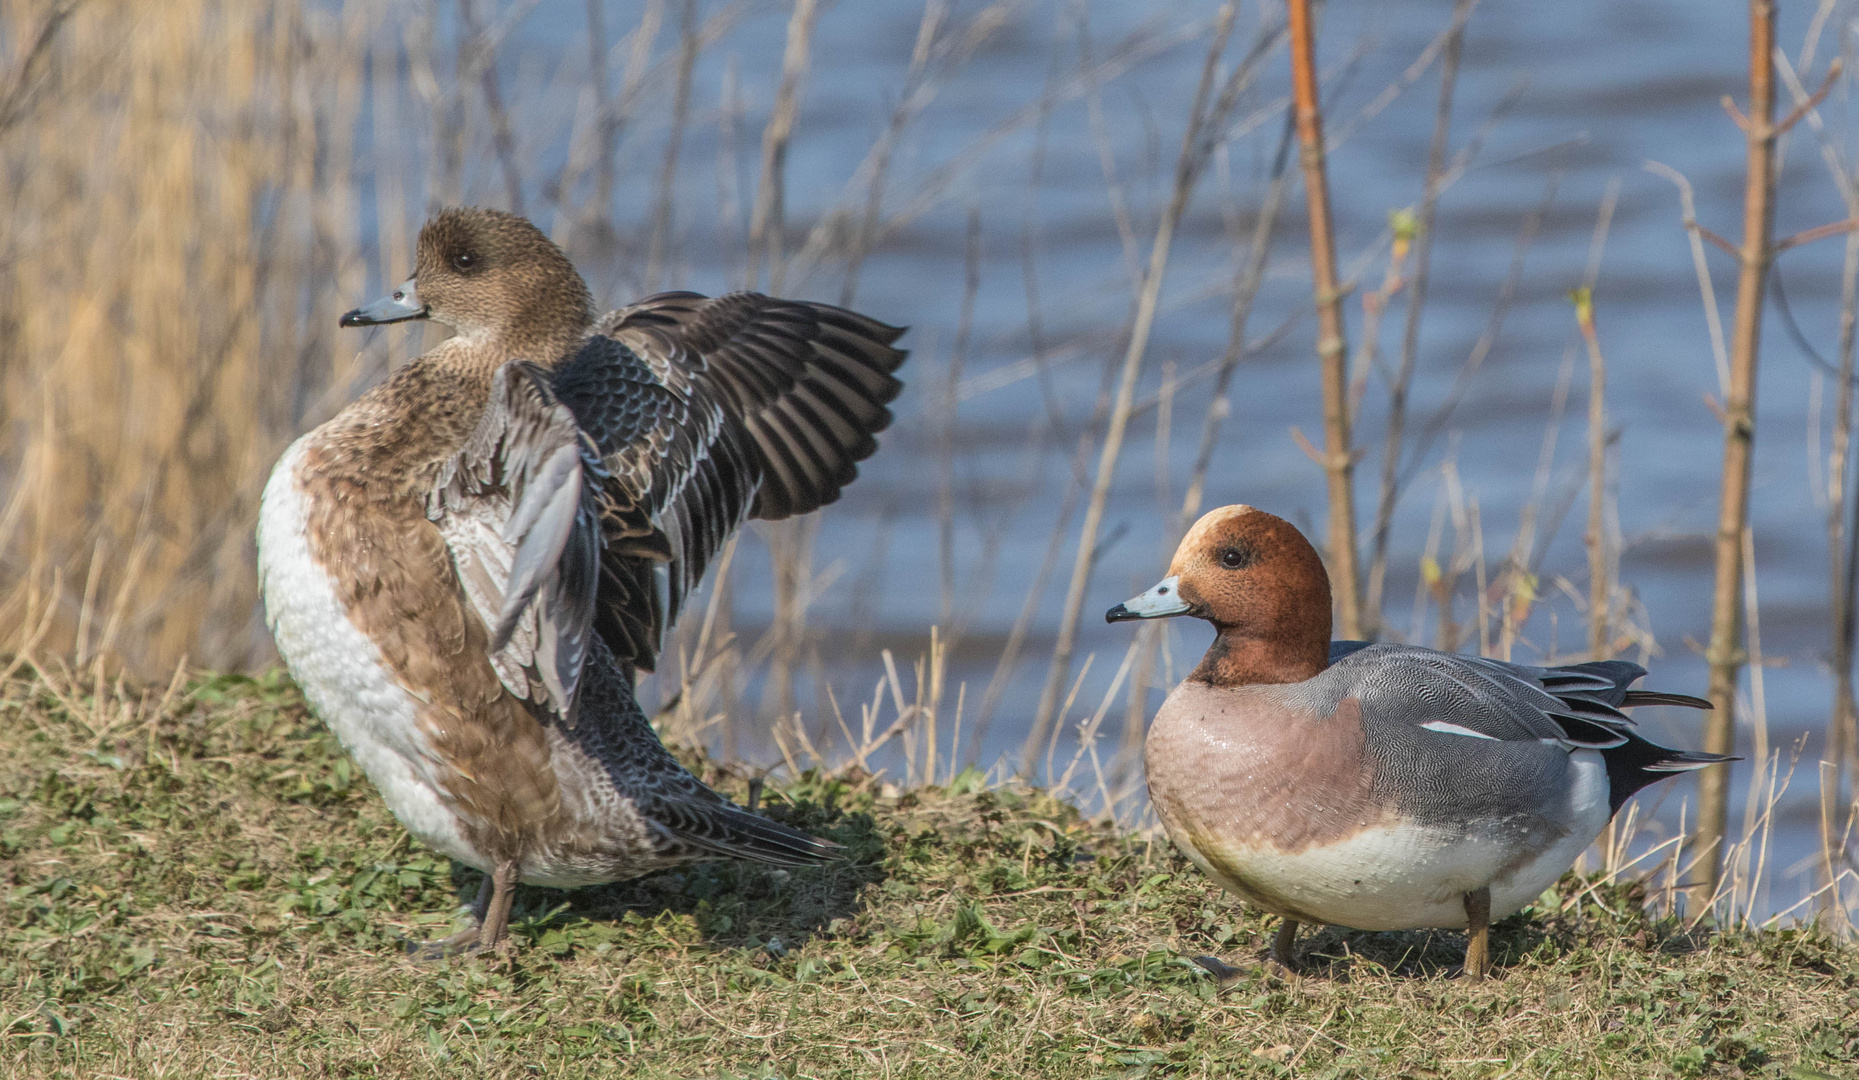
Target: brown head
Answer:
[[486, 273], [1261, 584]]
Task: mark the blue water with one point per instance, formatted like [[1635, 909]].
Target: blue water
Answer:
[[1599, 89]]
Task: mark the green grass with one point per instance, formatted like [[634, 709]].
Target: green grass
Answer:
[[205, 886]]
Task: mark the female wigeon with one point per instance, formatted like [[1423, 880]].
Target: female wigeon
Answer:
[[460, 568], [1382, 787]]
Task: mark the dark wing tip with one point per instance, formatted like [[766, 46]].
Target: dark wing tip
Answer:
[[814, 432]]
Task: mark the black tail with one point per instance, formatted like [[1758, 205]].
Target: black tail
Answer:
[[1660, 697], [725, 829], [1637, 763]]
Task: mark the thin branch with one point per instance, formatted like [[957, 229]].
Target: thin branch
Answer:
[[1819, 232], [1245, 290], [1416, 303], [1332, 344], [24, 84], [1712, 321], [1600, 584], [768, 223], [1820, 95], [503, 139], [1725, 652], [1734, 251], [665, 205], [1193, 155]]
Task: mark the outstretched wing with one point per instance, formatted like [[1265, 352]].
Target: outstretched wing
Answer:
[[517, 506], [707, 412]]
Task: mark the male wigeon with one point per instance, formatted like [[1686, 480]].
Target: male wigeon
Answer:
[[1382, 787], [460, 568]]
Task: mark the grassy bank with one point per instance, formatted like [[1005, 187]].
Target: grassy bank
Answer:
[[197, 883]]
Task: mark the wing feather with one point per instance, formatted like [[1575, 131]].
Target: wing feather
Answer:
[[710, 411], [1507, 702], [517, 506]]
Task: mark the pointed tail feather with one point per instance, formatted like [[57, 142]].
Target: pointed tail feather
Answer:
[[1638, 763], [1660, 697], [732, 832], [1685, 761]]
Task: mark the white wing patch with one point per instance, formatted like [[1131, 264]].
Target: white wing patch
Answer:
[[1446, 728]]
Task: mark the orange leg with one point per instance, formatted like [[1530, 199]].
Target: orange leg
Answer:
[[1478, 931]]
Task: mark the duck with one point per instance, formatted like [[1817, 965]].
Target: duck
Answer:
[[1375, 786], [466, 568]]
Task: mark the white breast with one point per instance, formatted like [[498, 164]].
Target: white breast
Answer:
[[341, 671], [1406, 876]]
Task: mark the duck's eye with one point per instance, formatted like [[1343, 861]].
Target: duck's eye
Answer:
[[1233, 558], [464, 260]]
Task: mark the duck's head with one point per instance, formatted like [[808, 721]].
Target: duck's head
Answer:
[[487, 272], [1255, 577]]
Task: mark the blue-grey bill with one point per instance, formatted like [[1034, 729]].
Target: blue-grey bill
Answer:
[[1158, 603], [398, 306]]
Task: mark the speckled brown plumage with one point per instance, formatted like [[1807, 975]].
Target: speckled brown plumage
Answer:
[[490, 522], [368, 478]]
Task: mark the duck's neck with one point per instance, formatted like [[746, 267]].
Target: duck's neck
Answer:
[[394, 436], [480, 353], [548, 348], [1239, 657]]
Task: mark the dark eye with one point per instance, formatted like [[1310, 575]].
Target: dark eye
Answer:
[[1233, 558], [464, 260]]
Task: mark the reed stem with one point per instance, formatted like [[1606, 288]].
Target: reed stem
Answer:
[[1332, 346], [1725, 652]]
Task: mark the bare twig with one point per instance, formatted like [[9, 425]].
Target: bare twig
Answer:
[[1842, 501], [945, 434], [1819, 232], [484, 65], [1416, 304], [1600, 584], [1332, 345], [1203, 117], [1494, 326], [1725, 653], [880, 163], [1802, 108], [1712, 321], [767, 226], [24, 84], [665, 205], [1250, 274]]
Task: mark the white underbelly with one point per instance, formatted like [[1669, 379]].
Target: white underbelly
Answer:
[[342, 674], [1404, 876]]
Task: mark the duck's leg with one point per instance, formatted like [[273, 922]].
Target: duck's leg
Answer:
[[463, 941], [493, 932], [1282, 942], [1478, 931]]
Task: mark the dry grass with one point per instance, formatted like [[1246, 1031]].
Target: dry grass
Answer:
[[197, 883]]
